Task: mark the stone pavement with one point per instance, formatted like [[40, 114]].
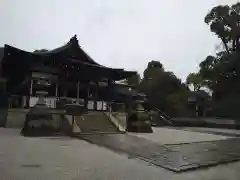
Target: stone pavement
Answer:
[[64, 158], [177, 158]]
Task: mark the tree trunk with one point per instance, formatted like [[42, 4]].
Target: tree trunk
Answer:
[[225, 45], [237, 44]]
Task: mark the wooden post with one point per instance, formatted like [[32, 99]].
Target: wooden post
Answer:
[[78, 84], [56, 92], [197, 109], [31, 87], [28, 94], [86, 98], [95, 96], [65, 89]]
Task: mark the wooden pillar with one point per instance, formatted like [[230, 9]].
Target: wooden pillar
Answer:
[[78, 86], [66, 85], [28, 94], [56, 92], [31, 87], [86, 97], [109, 86], [197, 110], [27, 101], [95, 96], [65, 89]]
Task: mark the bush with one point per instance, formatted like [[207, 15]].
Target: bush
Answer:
[[227, 108]]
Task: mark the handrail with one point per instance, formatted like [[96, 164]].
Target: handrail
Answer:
[[166, 117], [163, 113], [109, 116]]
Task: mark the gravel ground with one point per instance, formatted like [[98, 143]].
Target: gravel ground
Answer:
[[59, 158]]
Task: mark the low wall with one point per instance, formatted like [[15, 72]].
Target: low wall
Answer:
[[122, 118], [116, 122], [206, 122], [51, 102]]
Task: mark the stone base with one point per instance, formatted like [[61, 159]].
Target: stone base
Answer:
[[138, 124]]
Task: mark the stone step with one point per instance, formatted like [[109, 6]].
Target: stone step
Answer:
[[95, 122]]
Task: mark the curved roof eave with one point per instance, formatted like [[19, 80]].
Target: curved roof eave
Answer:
[[73, 51], [70, 46]]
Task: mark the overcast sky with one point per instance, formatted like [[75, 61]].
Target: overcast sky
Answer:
[[117, 33]]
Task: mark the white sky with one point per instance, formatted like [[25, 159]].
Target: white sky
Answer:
[[117, 33]]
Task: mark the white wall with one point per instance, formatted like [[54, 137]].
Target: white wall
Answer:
[[51, 102]]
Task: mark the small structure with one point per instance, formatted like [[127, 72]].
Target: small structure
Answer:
[[198, 102]]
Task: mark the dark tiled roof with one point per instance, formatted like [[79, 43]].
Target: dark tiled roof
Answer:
[[72, 44]]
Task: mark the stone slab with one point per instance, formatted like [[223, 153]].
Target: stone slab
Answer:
[[61, 158], [177, 158]]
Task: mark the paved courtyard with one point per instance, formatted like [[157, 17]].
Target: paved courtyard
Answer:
[[66, 158]]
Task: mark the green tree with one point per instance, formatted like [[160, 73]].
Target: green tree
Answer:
[[134, 80], [195, 80], [165, 91], [153, 68], [224, 21], [221, 73]]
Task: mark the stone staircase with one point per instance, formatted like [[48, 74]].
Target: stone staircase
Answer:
[[95, 122]]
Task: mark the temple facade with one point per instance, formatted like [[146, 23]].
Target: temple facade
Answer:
[[65, 73]]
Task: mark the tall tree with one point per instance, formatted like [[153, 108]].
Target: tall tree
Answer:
[[165, 91], [224, 21], [153, 68], [221, 73]]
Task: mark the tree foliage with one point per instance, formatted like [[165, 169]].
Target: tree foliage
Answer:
[[195, 79], [224, 21], [165, 91], [133, 80], [221, 73]]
